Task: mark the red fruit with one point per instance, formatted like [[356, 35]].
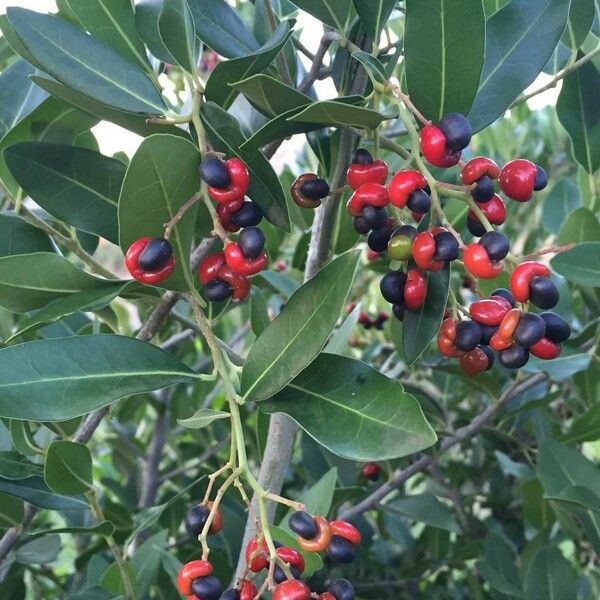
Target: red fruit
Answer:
[[509, 324], [293, 589], [371, 471], [148, 277], [326, 596], [239, 284], [257, 559], [477, 167], [479, 264], [423, 250], [239, 182], [375, 172], [248, 590], [415, 289], [545, 349], [292, 557], [433, 147], [494, 210], [446, 337], [226, 209], [418, 217], [522, 276], [517, 179], [489, 311], [241, 265], [296, 192], [345, 530], [191, 571], [217, 522], [403, 184], [497, 342], [372, 194], [372, 255], [474, 362], [322, 539], [209, 267]]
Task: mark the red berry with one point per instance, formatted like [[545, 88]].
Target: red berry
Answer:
[[433, 147], [494, 210], [446, 337], [292, 557], [489, 311], [371, 471], [321, 540], [366, 171], [241, 265], [423, 251], [479, 264], [368, 194], [292, 589], [225, 210], [209, 267], [415, 289], [248, 590], [403, 184], [162, 264], [238, 184], [474, 362], [239, 283], [477, 167], [346, 530], [517, 179], [521, 277], [326, 596], [257, 559], [545, 349], [191, 571]]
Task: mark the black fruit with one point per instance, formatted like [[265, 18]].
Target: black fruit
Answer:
[[543, 293], [214, 173], [304, 525], [475, 227], [360, 225], [217, 290], [392, 287], [457, 129], [398, 311], [490, 356], [407, 230], [375, 216], [342, 589], [496, 244], [504, 293], [531, 329], [315, 189], [541, 179], [196, 519], [249, 215], [484, 191], [251, 242], [446, 247], [340, 550], [419, 202], [514, 358], [379, 238], [362, 157], [207, 588], [155, 255], [279, 576], [468, 336], [487, 331], [557, 329], [231, 595]]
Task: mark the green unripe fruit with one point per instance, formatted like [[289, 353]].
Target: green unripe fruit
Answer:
[[400, 247]]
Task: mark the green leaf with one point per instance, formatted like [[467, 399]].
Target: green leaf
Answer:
[[561, 368], [374, 14], [562, 199], [581, 18], [17, 236], [13, 466], [265, 189], [227, 72], [550, 577], [18, 95], [30, 281], [520, 38], [219, 26], [37, 552], [339, 114], [581, 225], [578, 112], [585, 428], [334, 13], [83, 63], [112, 22], [11, 511], [62, 378], [297, 335], [578, 496], [438, 77], [162, 176], [147, 13], [68, 468], [374, 68], [203, 418], [580, 265], [103, 528], [336, 394], [177, 31], [75, 185], [420, 327], [425, 508], [35, 491], [499, 567]]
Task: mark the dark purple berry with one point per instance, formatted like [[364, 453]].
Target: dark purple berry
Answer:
[[155, 255], [446, 247], [392, 287], [475, 227], [531, 329], [543, 293], [496, 244], [485, 189], [379, 238], [251, 242], [340, 550], [398, 310], [362, 157], [514, 358], [342, 589], [249, 215], [487, 331], [407, 230], [419, 202], [490, 356], [557, 329], [541, 179], [315, 189], [304, 525], [375, 216], [468, 336], [360, 225], [217, 290], [214, 173], [196, 519], [458, 131], [504, 293], [207, 588]]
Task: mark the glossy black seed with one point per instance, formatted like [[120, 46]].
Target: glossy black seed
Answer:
[[342, 589], [468, 336], [557, 329], [231, 595], [207, 588], [249, 215], [155, 255], [543, 293], [484, 190], [446, 247], [496, 244], [280, 576], [408, 230], [392, 287], [490, 355], [217, 290], [514, 358], [304, 525], [375, 216], [251, 242], [315, 189], [362, 157], [214, 173], [504, 293], [475, 227], [457, 129], [340, 549], [398, 311], [487, 331], [419, 202], [541, 179], [360, 225], [196, 519], [531, 329], [379, 238]]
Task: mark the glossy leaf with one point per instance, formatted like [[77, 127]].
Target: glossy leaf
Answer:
[[339, 114], [550, 576], [580, 265], [79, 61], [147, 13], [176, 30], [39, 551], [561, 368], [11, 511], [578, 111], [297, 335], [336, 395], [62, 378], [374, 68], [420, 327], [265, 189], [203, 418], [161, 177], [425, 508], [374, 14], [562, 199], [103, 528], [581, 225], [499, 567], [68, 468], [15, 467], [334, 13], [586, 428], [520, 39], [17, 236], [79, 186], [438, 77], [581, 18], [35, 491]]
